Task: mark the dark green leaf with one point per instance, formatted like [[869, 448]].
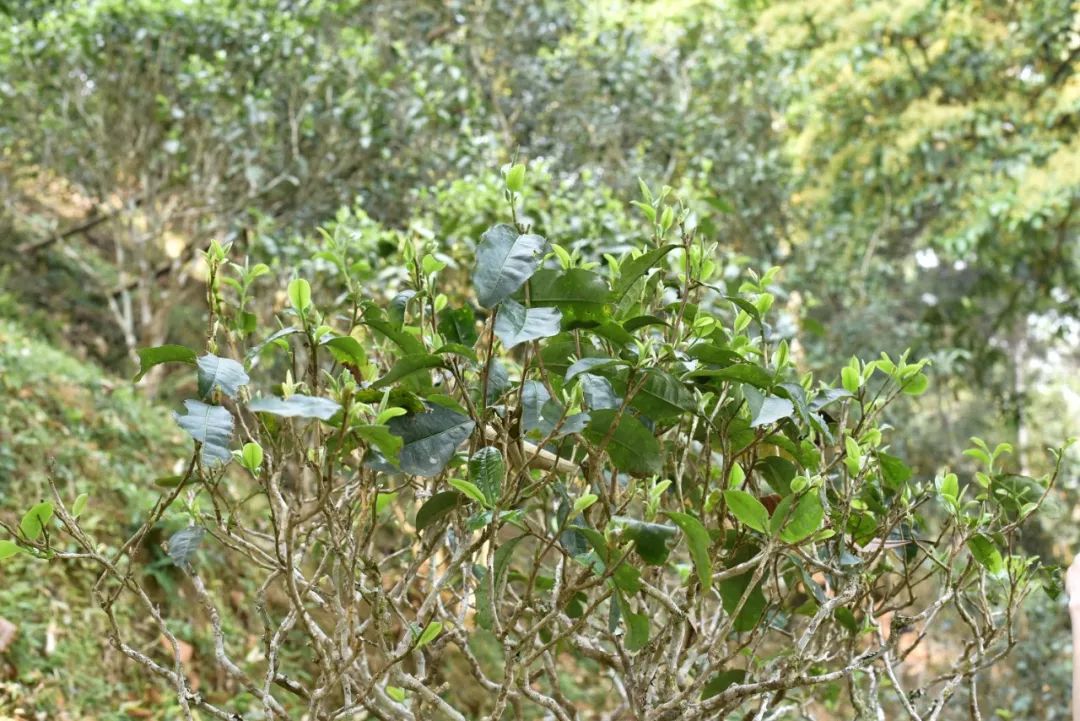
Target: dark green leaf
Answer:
[[580, 294], [346, 349], [505, 259], [631, 270], [894, 472], [381, 438], [374, 319], [458, 325], [597, 392], [406, 366], [150, 357], [778, 472], [637, 629], [437, 507], [430, 439], [661, 396], [766, 409], [740, 373], [720, 682], [223, 373], [632, 448], [732, 589], [184, 543], [650, 539], [209, 425], [487, 470], [516, 324]]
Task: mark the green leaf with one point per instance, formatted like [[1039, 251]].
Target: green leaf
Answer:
[[9, 549], [740, 373], [296, 406], [732, 589], [583, 502], [505, 259], [211, 426], [346, 349], [488, 471], [299, 292], [35, 520], [632, 447], [698, 541], [721, 681], [581, 295], [150, 357], [407, 365], [850, 379], [632, 270], [748, 510], [184, 543], [778, 472], [597, 392], [79, 505], [515, 178], [766, 409], [429, 634], [637, 629], [379, 436], [458, 325], [485, 611], [950, 486], [430, 439], [375, 319], [650, 539], [917, 384], [893, 471], [436, 507], [396, 693], [661, 396], [251, 456], [798, 522], [986, 553], [469, 489], [223, 373], [515, 324]]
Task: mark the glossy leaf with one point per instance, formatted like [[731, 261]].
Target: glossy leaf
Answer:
[[211, 426], [436, 508], [631, 446], [748, 510], [430, 439], [505, 259], [487, 471], [223, 373], [515, 324]]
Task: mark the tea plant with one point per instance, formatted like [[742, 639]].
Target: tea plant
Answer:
[[572, 473]]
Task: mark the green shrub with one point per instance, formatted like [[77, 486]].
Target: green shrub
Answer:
[[570, 490]]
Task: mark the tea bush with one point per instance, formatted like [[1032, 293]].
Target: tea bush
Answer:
[[548, 487]]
